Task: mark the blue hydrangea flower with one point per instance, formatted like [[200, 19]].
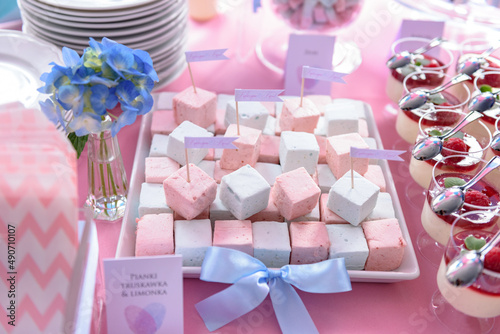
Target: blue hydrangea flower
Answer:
[[102, 98], [86, 123]]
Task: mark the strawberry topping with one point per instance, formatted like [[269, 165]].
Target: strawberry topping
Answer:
[[492, 259], [475, 197], [455, 144]]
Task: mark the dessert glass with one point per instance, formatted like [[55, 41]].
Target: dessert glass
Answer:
[[476, 136], [453, 98], [481, 82], [440, 59], [437, 228], [468, 309], [490, 153]]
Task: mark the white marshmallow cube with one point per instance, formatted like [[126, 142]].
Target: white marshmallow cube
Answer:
[[271, 243], [358, 106], [159, 145], [268, 171], [251, 114], [321, 127], [384, 208], [163, 101], [353, 204], [175, 148], [244, 192], [270, 128], [192, 239], [223, 99], [349, 242], [326, 179], [340, 121], [218, 211], [152, 200], [298, 149]]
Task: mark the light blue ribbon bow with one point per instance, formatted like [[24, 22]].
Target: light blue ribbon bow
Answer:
[[252, 281], [256, 5]]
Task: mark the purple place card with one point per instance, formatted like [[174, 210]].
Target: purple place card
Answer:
[[308, 50], [322, 74], [144, 294], [209, 142], [376, 154], [424, 29], [270, 95], [205, 55]]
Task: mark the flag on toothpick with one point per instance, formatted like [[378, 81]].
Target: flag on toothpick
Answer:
[[203, 55], [319, 74], [270, 95]]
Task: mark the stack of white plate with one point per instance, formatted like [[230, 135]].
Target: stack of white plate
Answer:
[[156, 26]]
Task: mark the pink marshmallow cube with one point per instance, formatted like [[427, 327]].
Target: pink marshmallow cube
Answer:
[[296, 118], [163, 122], [220, 126], [385, 243], [363, 128], [327, 215], [271, 107], [269, 149], [295, 193], [310, 242], [376, 175], [234, 234], [189, 199], [159, 168], [320, 101], [248, 150], [322, 149], [338, 155], [205, 214], [271, 213], [155, 235], [219, 172], [198, 108]]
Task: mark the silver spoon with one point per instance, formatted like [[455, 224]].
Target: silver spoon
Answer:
[[473, 63], [405, 57], [429, 147], [495, 142], [483, 102], [418, 98], [466, 267], [451, 199]]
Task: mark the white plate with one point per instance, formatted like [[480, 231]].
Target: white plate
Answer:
[[23, 59], [96, 4], [126, 243], [171, 74]]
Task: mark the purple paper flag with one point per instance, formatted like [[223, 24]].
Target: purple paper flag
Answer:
[[376, 154], [206, 55], [322, 74], [209, 142], [258, 95]]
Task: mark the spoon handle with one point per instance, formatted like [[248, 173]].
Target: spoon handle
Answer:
[[455, 80], [469, 118], [491, 165], [490, 50], [432, 44], [489, 245]]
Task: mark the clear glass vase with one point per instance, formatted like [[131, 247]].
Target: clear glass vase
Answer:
[[107, 180]]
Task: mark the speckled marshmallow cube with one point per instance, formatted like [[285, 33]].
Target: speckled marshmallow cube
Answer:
[[271, 243], [376, 175], [384, 208], [295, 193], [309, 241], [155, 235], [338, 157], [313, 216], [157, 169], [327, 215], [353, 204], [218, 211], [269, 171], [197, 107], [322, 149], [270, 128], [298, 149], [326, 179], [163, 122], [340, 121], [158, 146], [175, 148], [372, 145], [269, 149], [234, 234], [152, 200], [189, 199], [296, 118], [252, 114], [349, 242], [208, 167], [248, 148], [320, 101], [244, 192], [205, 214], [192, 239], [385, 243], [270, 213]]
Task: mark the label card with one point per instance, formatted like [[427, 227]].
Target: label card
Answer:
[[424, 29], [144, 295], [311, 50]]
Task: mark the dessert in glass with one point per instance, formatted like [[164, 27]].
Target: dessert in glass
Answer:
[[489, 82], [472, 141], [470, 309], [453, 98], [438, 60]]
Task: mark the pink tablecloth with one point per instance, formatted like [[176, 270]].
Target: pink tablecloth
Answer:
[[402, 307]]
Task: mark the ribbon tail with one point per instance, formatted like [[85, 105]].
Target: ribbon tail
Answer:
[[233, 302], [291, 312]]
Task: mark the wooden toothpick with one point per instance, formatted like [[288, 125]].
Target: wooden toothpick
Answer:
[[191, 75], [187, 165], [301, 92], [237, 119]]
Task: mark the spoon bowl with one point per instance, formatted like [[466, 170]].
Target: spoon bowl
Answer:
[[495, 142], [482, 102], [406, 57]]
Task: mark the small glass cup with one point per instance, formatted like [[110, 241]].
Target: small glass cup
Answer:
[[456, 97], [476, 135], [468, 309], [442, 60], [492, 79], [473, 47]]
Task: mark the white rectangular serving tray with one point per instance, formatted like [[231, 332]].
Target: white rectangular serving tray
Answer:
[[126, 244]]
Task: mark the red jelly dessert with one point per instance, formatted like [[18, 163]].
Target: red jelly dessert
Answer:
[[446, 119], [425, 62]]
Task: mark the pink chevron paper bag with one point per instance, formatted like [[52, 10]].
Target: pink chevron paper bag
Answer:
[[38, 222]]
